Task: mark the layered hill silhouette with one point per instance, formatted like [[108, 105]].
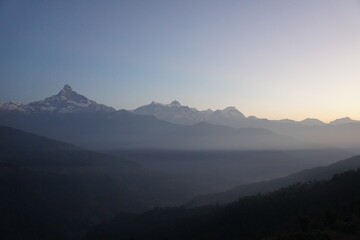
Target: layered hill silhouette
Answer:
[[54, 190], [241, 167], [314, 174], [304, 211], [71, 117]]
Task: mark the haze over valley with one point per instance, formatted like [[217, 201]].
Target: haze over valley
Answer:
[[179, 120]]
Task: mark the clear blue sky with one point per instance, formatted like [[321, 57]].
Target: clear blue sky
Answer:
[[269, 58]]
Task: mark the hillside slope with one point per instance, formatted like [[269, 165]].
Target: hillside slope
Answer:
[[54, 190], [318, 173], [326, 210]]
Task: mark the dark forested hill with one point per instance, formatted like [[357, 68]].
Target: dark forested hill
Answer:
[[318, 173], [53, 190], [326, 210]]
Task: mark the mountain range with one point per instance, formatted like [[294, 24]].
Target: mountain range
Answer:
[[341, 133], [171, 126], [56, 190], [177, 113], [68, 101], [71, 117]]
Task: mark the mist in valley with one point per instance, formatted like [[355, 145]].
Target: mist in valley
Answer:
[[179, 120]]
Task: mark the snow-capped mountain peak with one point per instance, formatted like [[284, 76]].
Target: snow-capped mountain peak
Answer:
[[66, 101], [231, 108], [177, 113], [67, 94], [175, 104], [229, 112]]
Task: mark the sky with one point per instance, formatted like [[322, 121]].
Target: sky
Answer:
[[269, 58]]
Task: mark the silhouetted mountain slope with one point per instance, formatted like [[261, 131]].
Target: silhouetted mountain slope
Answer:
[[307, 211], [26, 149], [242, 167], [54, 190], [43, 205], [319, 173]]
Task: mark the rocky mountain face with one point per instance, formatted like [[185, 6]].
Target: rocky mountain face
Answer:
[[66, 101]]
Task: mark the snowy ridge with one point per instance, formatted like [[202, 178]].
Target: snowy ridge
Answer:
[[66, 101], [177, 113]]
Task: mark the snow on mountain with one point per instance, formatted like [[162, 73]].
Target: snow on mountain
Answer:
[[177, 113], [175, 104], [173, 112], [66, 101], [14, 106], [229, 112]]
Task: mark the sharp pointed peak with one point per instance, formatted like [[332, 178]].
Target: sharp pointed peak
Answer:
[[66, 90], [175, 103], [67, 87]]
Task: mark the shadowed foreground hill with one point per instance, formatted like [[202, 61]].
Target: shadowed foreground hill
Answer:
[[327, 210], [318, 173], [53, 190], [243, 167]]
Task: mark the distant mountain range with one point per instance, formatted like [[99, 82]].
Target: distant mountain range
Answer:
[[69, 101], [230, 116], [342, 132], [176, 113], [74, 118], [71, 117]]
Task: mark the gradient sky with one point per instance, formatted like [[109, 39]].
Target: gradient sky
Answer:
[[274, 59]]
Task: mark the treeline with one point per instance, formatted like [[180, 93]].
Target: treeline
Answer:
[[304, 211]]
